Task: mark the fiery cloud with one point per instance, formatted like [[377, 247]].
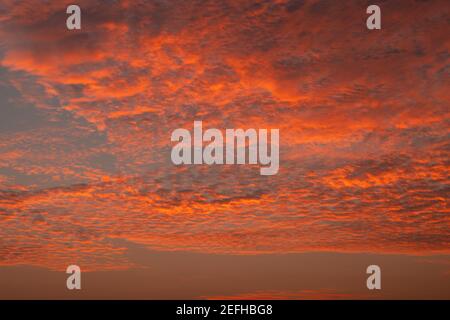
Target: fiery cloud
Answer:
[[86, 117]]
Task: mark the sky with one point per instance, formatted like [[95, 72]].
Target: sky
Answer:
[[86, 177]]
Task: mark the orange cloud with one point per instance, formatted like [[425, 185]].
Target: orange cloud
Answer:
[[87, 115]]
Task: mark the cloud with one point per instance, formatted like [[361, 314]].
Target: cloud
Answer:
[[87, 116]]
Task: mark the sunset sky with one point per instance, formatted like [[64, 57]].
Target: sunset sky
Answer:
[[86, 176]]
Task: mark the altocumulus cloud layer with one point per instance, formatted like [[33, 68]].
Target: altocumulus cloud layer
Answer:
[[86, 118]]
